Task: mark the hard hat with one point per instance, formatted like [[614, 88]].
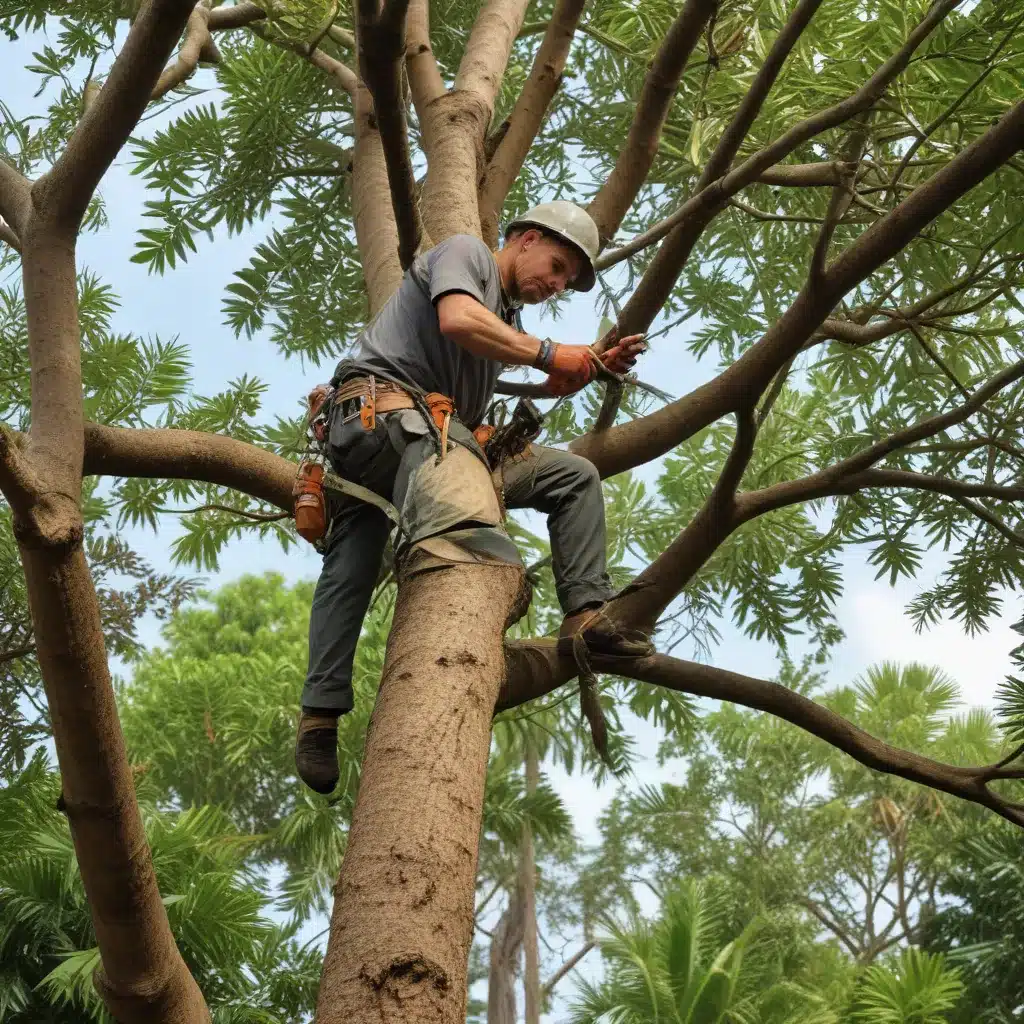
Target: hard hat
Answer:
[[570, 223]]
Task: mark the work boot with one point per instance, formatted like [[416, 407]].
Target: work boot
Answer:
[[316, 750], [603, 636]]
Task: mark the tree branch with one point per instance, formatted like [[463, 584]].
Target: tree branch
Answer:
[[15, 197], [641, 147], [197, 36], [381, 44], [341, 73], [239, 16], [967, 783], [65, 191], [16, 653], [189, 455], [483, 64], [7, 235], [569, 964], [714, 193], [744, 381], [528, 114], [425, 80]]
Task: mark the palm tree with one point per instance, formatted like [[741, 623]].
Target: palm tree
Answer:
[[686, 968], [915, 988]]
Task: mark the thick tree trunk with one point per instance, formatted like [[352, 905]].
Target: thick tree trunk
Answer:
[[403, 910], [143, 979]]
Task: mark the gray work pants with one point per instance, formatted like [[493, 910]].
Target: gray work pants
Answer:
[[558, 483]]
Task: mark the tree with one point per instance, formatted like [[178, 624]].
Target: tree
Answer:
[[860, 858], [859, 300]]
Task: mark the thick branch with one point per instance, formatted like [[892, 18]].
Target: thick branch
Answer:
[[189, 455], [239, 16], [8, 236], [641, 147], [642, 440], [490, 43], [425, 80], [18, 481], [528, 114], [65, 191]]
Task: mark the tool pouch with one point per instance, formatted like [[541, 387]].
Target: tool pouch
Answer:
[[310, 506]]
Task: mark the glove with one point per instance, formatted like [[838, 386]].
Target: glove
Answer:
[[620, 356], [571, 367]]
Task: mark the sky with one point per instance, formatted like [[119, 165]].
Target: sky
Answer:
[[187, 304]]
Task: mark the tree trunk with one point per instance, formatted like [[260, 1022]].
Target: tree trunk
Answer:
[[528, 887], [501, 978], [403, 910]]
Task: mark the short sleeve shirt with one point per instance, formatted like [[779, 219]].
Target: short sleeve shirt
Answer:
[[405, 341]]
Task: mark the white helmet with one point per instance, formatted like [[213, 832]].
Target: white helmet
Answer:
[[570, 223]]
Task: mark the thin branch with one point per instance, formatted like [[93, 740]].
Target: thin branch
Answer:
[[341, 73], [528, 114], [837, 930], [65, 191], [637, 155], [842, 195], [715, 193], [982, 513], [16, 653], [967, 783], [381, 40], [782, 218], [569, 964]]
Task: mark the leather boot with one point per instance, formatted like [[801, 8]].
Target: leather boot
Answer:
[[316, 751], [603, 636]]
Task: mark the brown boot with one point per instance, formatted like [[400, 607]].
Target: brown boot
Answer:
[[316, 751], [603, 637]]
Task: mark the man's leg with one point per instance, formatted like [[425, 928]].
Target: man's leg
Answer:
[[351, 566], [568, 489]]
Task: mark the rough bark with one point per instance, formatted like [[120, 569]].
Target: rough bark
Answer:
[[403, 910]]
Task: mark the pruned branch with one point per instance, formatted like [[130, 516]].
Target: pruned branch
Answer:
[[641, 146], [528, 114], [65, 191], [19, 483]]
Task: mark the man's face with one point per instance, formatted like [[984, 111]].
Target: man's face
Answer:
[[544, 267]]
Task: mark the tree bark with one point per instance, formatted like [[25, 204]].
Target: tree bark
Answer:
[[504, 954], [403, 910]]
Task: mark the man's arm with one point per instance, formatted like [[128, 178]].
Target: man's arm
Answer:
[[472, 326]]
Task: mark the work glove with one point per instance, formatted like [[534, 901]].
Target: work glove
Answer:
[[620, 356], [571, 367]]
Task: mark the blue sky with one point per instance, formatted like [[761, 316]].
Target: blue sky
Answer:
[[186, 303]]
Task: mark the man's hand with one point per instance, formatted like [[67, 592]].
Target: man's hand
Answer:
[[620, 356], [572, 368]]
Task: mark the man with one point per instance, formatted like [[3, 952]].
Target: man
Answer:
[[424, 378]]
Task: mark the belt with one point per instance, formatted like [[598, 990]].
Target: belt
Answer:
[[376, 396]]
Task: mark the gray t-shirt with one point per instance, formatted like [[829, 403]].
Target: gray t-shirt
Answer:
[[405, 341]]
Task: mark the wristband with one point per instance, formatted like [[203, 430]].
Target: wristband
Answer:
[[545, 355]]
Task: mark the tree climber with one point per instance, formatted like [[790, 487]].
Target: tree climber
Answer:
[[402, 421]]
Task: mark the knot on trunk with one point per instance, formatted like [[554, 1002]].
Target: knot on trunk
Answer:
[[409, 976]]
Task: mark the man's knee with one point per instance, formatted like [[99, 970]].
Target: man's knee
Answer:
[[577, 476]]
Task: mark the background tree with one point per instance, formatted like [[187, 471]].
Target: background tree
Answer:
[[856, 307]]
